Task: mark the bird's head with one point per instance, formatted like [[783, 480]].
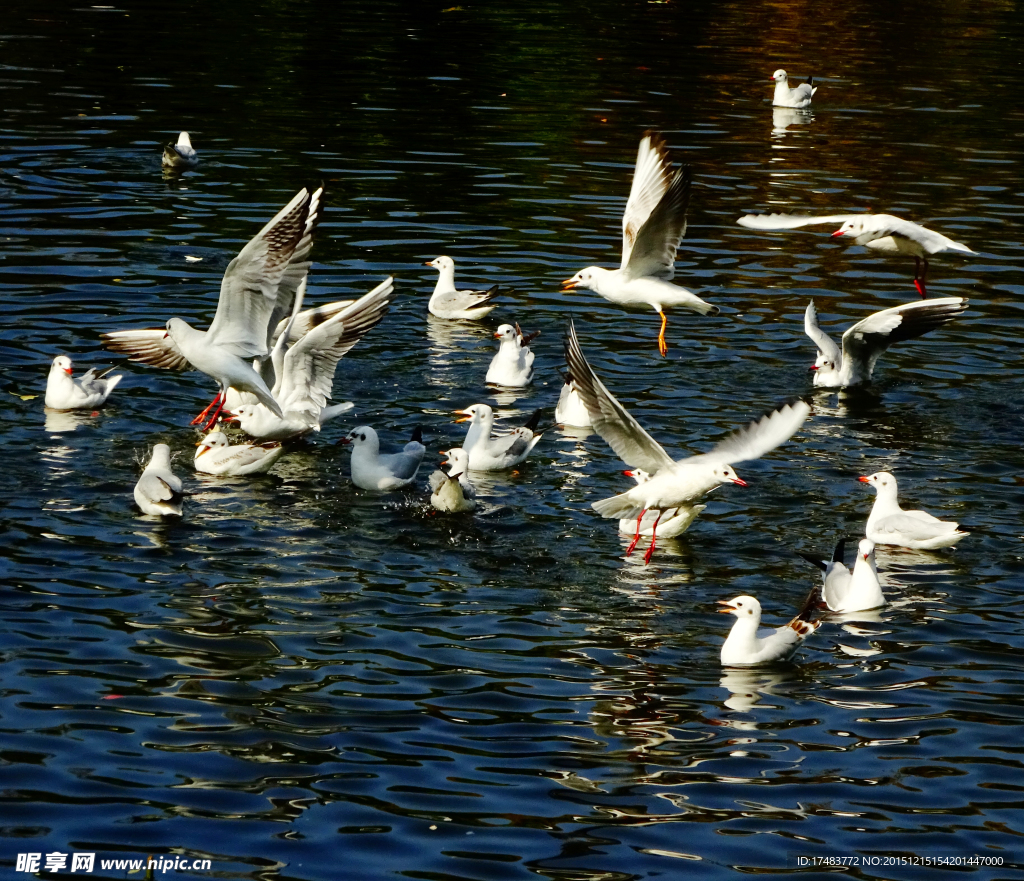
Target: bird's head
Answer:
[[441, 263], [741, 607], [725, 474], [473, 414], [780, 76], [585, 278], [62, 363]]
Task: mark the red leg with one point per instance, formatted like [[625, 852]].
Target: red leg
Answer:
[[213, 403], [636, 537], [654, 538], [919, 277], [216, 412]]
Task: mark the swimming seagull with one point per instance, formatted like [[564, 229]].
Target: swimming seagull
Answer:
[[889, 524], [215, 454], [674, 522], [653, 225], [798, 98], [447, 302], [305, 372], [241, 328], [378, 471], [865, 342], [844, 591], [743, 647], [880, 232], [513, 364], [180, 155], [159, 489], [64, 392], [672, 484], [452, 492], [488, 453]]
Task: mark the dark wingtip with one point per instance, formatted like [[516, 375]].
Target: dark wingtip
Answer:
[[814, 561], [417, 435], [837, 554], [533, 421]]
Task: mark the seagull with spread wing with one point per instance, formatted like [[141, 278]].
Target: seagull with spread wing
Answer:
[[653, 225], [257, 290], [865, 342], [672, 484], [880, 232]]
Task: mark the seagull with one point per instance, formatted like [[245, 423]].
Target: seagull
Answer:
[[798, 98], [864, 343], [180, 155], [674, 522], [305, 372], [446, 302], [880, 232], [570, 409], [159, 489], [488, 453], [672, 484], [513, 365], [215, 454], [889, 524], [744, 648], [453, 492], [242, 326], [378, 471], [653, 225], [844, 591], [64, 392]]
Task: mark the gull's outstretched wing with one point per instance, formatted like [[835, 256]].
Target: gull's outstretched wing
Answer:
[[309, 365], [867, 339], [153, 347], [298, 268], [826, 345], [620, 430], [791, 221], [760, 437], [248, 291], [654, 221]]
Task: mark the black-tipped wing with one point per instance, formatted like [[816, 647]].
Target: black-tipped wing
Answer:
[[867, 339], [151, 347]]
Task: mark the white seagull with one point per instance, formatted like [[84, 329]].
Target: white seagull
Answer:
[[159, 489], [889, 524], [672, 484], [64, 392], [674, 522], [305, 372], [797, 98], [653, 225], [488, 453], [513, 365], [453, 492], [258, 287], [865, 342], [378, 471], [844, 591], [180, 155], [447, 302], [570, 409], [880, 232], [743, 646], [215, 454]]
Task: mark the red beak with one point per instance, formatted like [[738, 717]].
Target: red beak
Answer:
[[628, 473], [497, 335], [813, 367], [739, 482], [863, 480], [67, 370], [838, 232]]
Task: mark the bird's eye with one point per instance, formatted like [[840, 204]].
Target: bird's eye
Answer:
[[362, 437]]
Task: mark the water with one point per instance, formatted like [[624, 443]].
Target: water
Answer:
[[303, 681]]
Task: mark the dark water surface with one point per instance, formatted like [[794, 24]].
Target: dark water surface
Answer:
[[304, 681]]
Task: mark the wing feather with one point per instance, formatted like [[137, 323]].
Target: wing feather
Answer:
[[153, 347], [651, 180], [869, 338], [759, 437], [790, 221], [248, 291], [610, 419], [826, 345]]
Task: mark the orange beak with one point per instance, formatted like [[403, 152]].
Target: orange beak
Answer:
[[429, 263], [497, 335], [465, 417], [729, 607], [863, 480], [568, 284]]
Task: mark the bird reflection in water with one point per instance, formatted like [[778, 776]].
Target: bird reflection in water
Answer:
[[746, 686], [453, 356], [783, 117]]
